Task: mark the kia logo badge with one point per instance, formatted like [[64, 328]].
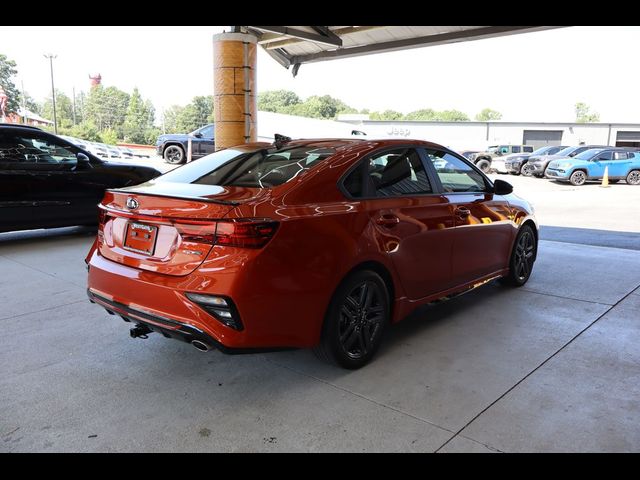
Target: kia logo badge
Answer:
[[132, 203]]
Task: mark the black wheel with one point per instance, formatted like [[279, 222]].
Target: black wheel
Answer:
[[526, 170], [355, 321], [634, 177], [522, 258], [174, 154], [484, 165], [578, 178]]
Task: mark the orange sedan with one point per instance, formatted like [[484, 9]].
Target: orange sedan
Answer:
[[305, 244]]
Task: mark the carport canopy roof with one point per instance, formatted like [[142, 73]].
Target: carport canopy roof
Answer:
[[295, 45]]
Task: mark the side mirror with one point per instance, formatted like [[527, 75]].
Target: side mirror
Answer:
[[500, 187], [197, 135], [83, 160]]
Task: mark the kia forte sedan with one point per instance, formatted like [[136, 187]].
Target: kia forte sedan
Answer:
[[310, 243]]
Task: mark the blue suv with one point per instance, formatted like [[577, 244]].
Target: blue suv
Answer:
[[173, 147], [622, 163]]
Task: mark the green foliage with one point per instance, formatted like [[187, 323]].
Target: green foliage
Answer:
[[277, 100], [584, 116], [138, 120], [386, 115], [64, 109], [7, 71], [179, 119], [285, 101], [151, 135], [488, 114], [451, 116], [109, 136], [107, 108]]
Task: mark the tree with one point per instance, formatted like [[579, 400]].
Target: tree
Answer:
[[170, 118], [64, 109], [277, 100], [138, 119], [107, 108], [488, 114], [386, 115], [7, 71], [451, 116], [425, 114], [584, 116]]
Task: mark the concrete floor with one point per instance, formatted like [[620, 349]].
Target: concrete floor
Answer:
[[553, 366]]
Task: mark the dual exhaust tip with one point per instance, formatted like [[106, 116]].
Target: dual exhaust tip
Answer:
[[142, 331], [203, 347]]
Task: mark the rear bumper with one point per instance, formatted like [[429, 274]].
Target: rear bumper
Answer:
[[272, 318], [167, 327]]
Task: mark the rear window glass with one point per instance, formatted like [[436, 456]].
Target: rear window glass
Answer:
[[258, 169]]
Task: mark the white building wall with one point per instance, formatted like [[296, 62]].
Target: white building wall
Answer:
[[455, 135]]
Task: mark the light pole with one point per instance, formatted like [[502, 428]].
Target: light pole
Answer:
[[53, 93]]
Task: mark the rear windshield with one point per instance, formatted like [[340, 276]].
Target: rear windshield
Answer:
[[258, 169]]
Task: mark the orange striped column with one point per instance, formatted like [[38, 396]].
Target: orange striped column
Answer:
[[234, 88]]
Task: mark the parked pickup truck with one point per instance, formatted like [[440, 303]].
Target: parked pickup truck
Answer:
[[483, 159], [173, 147]]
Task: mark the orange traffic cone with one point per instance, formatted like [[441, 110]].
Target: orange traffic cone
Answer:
[[605, 179]]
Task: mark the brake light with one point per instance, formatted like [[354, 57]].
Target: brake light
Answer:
[[243, 233], [199, 232]]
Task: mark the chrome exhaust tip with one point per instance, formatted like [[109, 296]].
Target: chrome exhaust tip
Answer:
[[203, 347]]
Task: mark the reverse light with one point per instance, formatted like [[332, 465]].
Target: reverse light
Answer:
[[220, 308]]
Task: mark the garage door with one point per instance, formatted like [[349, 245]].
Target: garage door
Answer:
[[542, 138], [628, 139]]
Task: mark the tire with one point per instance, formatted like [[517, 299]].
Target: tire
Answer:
[[523, 256], [577, 178], [174, 154], [526, 170], [484, 165], [614, 181], [633, 178], [352, 331]]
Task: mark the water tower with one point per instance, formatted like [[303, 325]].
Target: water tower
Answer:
[[95, 80]]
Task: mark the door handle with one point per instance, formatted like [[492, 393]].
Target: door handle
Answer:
[[388, 220], [463, 212]]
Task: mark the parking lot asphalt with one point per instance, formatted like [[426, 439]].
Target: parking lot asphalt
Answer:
[[552, 366]]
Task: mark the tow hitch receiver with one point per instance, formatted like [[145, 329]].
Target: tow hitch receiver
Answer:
[[140, 331]]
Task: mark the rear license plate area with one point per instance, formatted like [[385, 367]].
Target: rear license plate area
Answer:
[[140, 238]]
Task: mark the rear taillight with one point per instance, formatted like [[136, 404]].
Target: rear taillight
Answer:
[[243, 233], [199, 232]]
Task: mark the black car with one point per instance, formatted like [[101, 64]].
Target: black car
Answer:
[[173, 147], [46, 181], [538, 166]]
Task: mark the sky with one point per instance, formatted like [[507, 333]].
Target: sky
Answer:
[[535, 76]]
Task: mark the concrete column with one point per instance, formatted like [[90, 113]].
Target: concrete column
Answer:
[[234, 89]]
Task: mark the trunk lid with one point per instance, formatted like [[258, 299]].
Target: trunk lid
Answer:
[[165, 227]]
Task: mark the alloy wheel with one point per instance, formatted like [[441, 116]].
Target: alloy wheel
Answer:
[[525, 250], [173, 155], [578, 177], [361, 318], [634, 177], [527, 170]]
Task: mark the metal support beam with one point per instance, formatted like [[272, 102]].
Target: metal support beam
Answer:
[[429, 40], [313, 37]]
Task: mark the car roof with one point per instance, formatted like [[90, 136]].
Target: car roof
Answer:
[[20, 126]]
